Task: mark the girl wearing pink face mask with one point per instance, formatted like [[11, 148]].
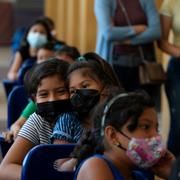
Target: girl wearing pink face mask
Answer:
[[124, 138]]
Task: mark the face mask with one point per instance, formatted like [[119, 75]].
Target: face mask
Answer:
[[145, 152], [84, 100], [36, 40], [51, 110]]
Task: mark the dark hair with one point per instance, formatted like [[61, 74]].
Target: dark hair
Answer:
[[97, 68], [70, 51], [49, 46], [117, 113], [48, 21], [25, 44], [45, 69]]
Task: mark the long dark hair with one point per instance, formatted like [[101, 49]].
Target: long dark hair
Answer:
[[115, 113]]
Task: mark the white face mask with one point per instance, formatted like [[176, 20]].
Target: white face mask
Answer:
[[36, 39]]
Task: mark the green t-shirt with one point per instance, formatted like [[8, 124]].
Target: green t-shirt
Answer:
[[29, 109]]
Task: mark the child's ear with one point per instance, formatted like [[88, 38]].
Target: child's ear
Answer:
[[111, 134]]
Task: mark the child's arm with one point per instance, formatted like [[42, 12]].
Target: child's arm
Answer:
[[16, 126]]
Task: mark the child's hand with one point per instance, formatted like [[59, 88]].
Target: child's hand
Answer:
[[11, 135], [163, 167]]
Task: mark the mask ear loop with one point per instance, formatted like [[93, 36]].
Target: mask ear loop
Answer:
[[81, 59], [107, 108]]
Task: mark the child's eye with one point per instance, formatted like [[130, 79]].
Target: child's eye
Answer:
[[43, 95], [145, 126], [62, 91], [84, 86]]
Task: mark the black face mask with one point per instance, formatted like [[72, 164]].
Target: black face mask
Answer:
[[51, 110], [84, 100]]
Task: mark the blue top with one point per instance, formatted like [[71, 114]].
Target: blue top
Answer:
[[68, 128], [137, 175], [107, 34]]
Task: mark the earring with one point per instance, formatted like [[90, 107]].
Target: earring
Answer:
[[117, 144]]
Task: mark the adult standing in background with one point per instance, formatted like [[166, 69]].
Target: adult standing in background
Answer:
[[170, 21], [119, 43]]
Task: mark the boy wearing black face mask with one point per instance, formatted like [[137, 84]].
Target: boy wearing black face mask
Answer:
[[88, 82]]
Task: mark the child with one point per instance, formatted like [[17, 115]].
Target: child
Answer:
[[124, 136], [43, 54], [46, 85], [88, 81], [35, 37], [68, 53]]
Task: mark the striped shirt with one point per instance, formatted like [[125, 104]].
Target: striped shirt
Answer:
[[68, 128], [36, 130]]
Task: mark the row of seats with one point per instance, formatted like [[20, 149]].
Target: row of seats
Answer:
[[39, 162], [17, 101]]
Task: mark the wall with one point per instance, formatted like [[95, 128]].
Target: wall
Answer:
[[6, 19], [75, 22]]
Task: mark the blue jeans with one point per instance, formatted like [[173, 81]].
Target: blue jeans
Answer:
[[173, 95]]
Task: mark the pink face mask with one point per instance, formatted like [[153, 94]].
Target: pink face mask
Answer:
[[145, 152]]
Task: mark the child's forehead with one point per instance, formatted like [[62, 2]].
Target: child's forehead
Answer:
[[84, 71], [54, 77]]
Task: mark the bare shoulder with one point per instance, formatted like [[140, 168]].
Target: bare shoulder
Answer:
[[95, 168]]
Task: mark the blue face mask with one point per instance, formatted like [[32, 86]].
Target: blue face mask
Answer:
[[36, 39]]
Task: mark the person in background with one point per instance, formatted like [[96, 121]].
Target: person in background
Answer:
[[124, 136], [169, 15], [68, 53], [36, 36], [125, 45], [46, 86], [45, 52]]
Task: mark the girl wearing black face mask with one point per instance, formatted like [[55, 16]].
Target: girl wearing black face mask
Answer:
[[88, 81], [46, 84]]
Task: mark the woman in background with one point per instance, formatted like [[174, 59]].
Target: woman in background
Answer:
[[119, 42], [169, 15]]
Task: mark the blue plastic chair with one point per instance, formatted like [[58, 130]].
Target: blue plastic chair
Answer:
[[38, 163], [17, 101], [24, 68]]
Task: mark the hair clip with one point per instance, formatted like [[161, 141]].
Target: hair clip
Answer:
[[81, 59]]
